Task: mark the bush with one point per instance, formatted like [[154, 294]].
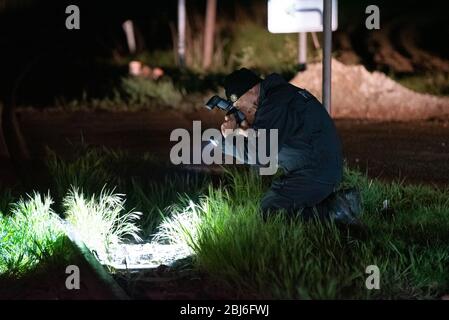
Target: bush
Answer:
[[140, 91], [255, 47]]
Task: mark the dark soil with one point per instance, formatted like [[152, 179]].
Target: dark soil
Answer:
[[417, 152], [167, 283], [48, 282]]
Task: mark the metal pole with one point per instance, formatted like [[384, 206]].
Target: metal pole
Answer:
[[327, 54], [181, 32], [302, 50]]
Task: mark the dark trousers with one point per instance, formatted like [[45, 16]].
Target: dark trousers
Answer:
[[297, 195]]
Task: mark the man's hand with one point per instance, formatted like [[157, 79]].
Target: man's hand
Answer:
[[230, 125]]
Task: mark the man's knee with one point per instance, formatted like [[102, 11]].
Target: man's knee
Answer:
[[274, 203], [268, 204]]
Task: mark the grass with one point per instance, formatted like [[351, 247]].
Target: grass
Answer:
[[290, 259], [150, 185], [131, 93], [436, 83], [221, 226], [141, 91], [29, 234], [100, 221]]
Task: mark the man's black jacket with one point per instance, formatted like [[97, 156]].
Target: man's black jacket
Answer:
[[308, 143]]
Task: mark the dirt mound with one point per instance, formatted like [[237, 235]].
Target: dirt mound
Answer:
[[358, 93]]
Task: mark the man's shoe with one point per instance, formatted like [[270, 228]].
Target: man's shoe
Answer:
[[345, 206], [354, 199]]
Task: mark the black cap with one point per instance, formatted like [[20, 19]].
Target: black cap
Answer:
[[239, 82]]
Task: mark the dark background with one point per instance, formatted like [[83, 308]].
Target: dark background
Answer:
[[52, 61]]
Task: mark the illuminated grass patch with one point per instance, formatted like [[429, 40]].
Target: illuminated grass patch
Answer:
[[28, 234], [100, 221]]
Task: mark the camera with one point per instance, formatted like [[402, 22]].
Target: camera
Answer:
[[227, 106]]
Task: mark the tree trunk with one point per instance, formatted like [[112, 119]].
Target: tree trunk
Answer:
[[8, 176], [181, 33], [209, 31]]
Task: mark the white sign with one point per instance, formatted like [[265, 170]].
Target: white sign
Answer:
[[288, 16]]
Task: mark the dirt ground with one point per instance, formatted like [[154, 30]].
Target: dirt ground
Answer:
[[417, 152], [165, 283], [50, 284]]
